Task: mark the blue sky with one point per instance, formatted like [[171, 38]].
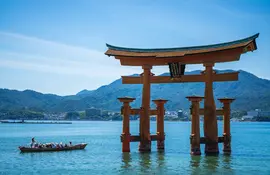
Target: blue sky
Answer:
[[58, 46]]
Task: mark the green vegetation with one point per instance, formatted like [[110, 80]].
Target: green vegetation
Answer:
[[21, 114], [82, 115], [72, 116], [238, 114], [262, 119]]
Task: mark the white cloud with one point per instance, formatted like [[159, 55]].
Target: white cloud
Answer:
[[37, 54], [48, 58]]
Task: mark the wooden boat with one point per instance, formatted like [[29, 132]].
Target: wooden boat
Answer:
[[68, 148]]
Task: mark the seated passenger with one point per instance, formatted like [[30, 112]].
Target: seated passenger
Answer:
[[33, 142]]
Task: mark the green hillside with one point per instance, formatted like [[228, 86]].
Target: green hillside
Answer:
[[250, 92]]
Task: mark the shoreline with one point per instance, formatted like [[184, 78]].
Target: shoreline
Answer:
[[18, 121]]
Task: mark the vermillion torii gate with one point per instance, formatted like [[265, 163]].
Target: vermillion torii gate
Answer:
[[177, 58]]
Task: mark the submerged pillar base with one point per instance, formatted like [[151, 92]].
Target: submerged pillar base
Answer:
[[125, 138], [211, 148], [227, 144], [195, 145], [195, 151], [145, 146], [227, 151], [160, 141], [160, 145]]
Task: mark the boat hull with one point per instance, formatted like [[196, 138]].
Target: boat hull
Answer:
[[75, 147]]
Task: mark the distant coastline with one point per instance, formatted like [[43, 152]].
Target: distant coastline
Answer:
[[94, 114], [43, 121], [34, 122]]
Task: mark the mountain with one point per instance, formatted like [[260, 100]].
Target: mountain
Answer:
[[84, 92], [250, 92], [13, 99]]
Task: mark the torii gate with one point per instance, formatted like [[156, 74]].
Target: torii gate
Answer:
[[177, 58]]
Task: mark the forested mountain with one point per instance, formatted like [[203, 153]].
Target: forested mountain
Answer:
[[250, 92]]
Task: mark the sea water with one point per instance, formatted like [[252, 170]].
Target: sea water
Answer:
[[250, 150]]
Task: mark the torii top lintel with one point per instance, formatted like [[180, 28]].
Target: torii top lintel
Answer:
[[223, 52]]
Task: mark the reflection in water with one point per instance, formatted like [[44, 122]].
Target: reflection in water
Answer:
[[160, 159], [227, 162], [204, 164], [145, 161], [195, 161], [126, 159], [155, 163], [211, 162], [195, 164], [160, 163]]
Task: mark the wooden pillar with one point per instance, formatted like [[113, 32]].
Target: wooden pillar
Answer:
[[195, 125], [210, 119], [160, 123], [125, 137], [145, 142], [226, 123]]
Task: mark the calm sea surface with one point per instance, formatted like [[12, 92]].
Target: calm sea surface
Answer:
[[250, 150]]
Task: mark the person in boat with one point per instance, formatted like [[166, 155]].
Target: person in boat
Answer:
[[70, 143], [33, 142], [61, 145]]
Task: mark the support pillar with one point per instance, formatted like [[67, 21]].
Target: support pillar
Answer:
[[145, 142], [160, 123], [125, 137], [195, 125], [226, 123], [210, 119]]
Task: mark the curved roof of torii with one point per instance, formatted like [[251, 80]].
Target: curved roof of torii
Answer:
[[229, 48]]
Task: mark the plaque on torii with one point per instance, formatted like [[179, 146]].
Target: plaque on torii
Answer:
[[177, 59]]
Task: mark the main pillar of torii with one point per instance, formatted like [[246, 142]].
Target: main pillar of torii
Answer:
[[210, 118], [145, 143]]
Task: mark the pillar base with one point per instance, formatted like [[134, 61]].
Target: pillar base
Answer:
[[227, 151], [195, 151], [211, 148], [125, 139], [160, 141], [145, 146], [160, 145], [195, 144], [227, 144]]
